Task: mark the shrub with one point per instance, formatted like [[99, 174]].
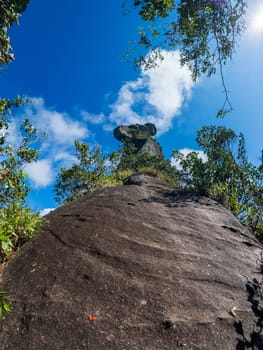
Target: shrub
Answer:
[[226, 175], [17, 225]]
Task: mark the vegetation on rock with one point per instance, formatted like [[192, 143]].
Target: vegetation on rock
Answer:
[[226, 176], [17, 225], [146, 163], [4, 306], [205, 32], [87, 174], [94, 170], [17, 222]]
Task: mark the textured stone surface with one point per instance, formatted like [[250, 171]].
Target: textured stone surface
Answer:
[[159, 269], [140, 136]]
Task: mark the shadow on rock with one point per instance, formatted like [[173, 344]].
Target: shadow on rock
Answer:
[[175, 198], [255, 339]]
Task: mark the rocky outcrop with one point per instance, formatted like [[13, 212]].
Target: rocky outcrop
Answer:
[[135, 267], [141, 138]]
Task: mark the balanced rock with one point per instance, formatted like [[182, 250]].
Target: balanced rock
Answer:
[[135, 268], [140, 136]]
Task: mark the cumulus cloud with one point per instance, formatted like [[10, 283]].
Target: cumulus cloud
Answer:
[[185, 152], [92, 118], [65, 159], [58, 126], [57, 146], [40, 173], [157, 96], [45, 211]]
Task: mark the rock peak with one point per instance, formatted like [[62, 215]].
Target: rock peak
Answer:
[[133, 267], [140, 136]]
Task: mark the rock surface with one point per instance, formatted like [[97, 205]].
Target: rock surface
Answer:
[[141, 138], [159, 269]]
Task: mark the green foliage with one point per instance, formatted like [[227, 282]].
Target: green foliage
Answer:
[[120, 175], [17, 225], [9, 14], [4, 305], [16, 222], [89, 173], [14, 157], [226, 196], [226, 175], [220, 167], [127, 157], [149, 10], [94, 170], [194, 174], [147, 163], [204, 31]]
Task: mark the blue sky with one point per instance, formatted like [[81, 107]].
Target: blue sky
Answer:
[[69, 60]]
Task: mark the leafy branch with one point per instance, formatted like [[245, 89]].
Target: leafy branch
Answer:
[[205, 32]]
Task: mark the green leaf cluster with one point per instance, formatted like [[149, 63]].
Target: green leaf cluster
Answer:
[[94, 170], [9, 14], [146, 163], [13, 158], [17, 225], [150, 9], [226, 175], [205, 31], [4, 305], [87, 174], [17, 222]]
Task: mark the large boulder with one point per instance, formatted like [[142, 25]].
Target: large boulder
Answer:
[[157, 268], [141, 136]]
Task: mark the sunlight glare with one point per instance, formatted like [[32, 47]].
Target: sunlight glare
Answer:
[[256, 21]]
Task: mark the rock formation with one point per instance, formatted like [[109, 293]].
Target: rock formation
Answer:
[[135, 267], [140, 136]]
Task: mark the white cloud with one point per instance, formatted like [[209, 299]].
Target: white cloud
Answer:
[[185, 152], [40, 173], [66, 159], [92, 118], [57, 147], [157, 96], [45, 211], [59, 127], [201, 154], [13, 134]]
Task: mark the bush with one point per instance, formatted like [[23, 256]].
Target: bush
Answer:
[[17, 225], [226, 175], [87, 174]]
